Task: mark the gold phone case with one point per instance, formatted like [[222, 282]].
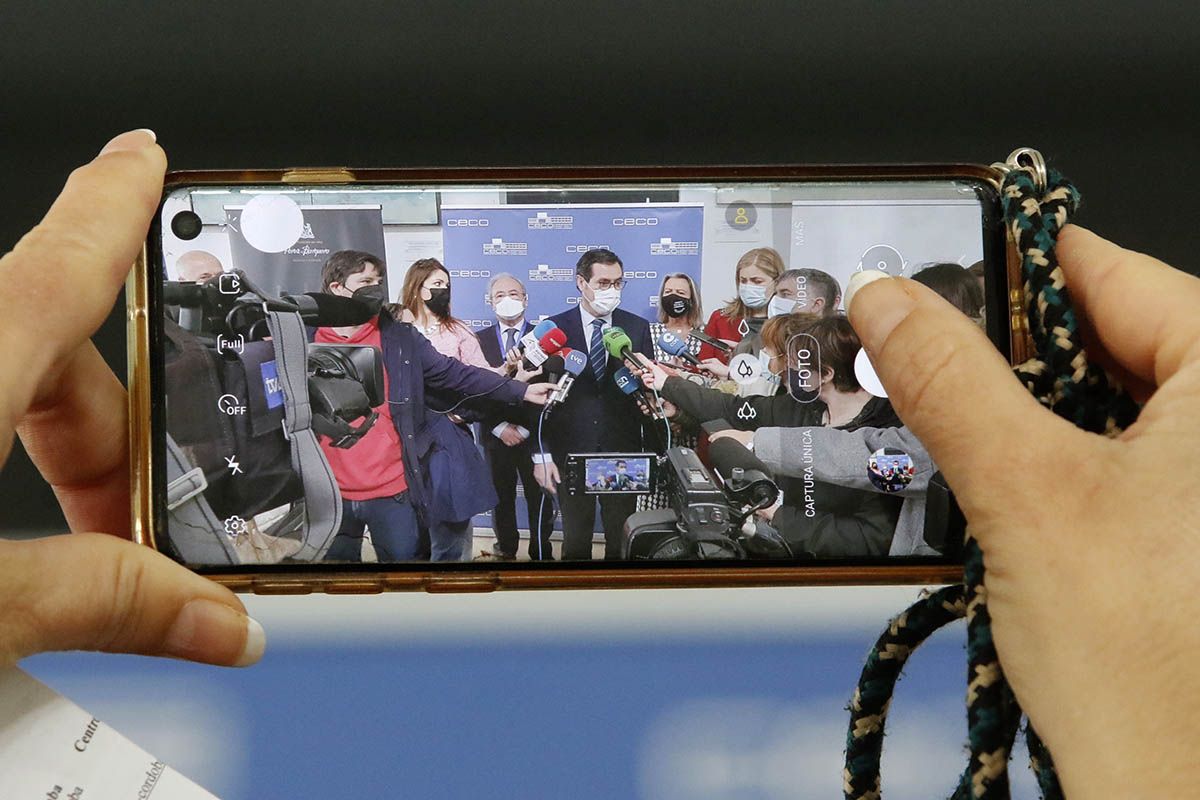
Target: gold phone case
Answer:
[[485, 577]]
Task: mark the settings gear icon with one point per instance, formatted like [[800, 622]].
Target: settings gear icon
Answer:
[[235, 526]]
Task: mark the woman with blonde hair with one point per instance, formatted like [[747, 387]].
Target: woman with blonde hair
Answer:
[[679, 312], [753, 277]]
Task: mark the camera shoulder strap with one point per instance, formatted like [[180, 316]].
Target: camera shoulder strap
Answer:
[[323, 501], [196, 533]]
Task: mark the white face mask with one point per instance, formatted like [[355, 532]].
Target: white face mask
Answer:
[[753, 296], [605, 300], [509, 308], [780, 306]]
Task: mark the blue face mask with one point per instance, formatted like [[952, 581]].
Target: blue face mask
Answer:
[[753, 296]]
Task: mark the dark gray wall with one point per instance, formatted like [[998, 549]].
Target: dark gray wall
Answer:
[[1109, 95]]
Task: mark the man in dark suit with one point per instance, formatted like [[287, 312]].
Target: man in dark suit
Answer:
[[506, 434], [597, 417]]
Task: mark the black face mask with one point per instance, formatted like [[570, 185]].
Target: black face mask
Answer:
[[677, 306], [372, 296], [795, 387], [439, 301]]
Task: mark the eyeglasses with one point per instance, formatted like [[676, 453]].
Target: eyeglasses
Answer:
[[602, 285]]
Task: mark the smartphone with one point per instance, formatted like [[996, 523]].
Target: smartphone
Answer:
[[285, 438]]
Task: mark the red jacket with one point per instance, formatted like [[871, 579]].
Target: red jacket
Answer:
[[721, 327]]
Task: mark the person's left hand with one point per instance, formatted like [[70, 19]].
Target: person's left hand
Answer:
[[744, 438], [526, 375], [92, 591]]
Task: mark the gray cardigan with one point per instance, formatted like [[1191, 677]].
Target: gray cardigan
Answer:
[[840, 457]]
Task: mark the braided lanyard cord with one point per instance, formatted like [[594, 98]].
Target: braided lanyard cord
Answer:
[[1037, 204]]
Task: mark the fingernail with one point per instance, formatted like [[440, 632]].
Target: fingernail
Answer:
[[130, 140], [256, 644], [212, 632], [877, 313], [859, 280]]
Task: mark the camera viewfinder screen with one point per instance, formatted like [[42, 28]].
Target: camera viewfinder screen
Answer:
[[614, 475], [396, 374]]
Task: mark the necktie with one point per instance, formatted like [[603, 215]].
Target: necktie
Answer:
[[510, 340], [597, 355]]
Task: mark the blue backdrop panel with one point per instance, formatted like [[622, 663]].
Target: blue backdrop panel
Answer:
[[540, 245], [728, 719]]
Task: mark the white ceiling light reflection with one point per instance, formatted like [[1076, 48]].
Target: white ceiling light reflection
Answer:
[[272, 222]]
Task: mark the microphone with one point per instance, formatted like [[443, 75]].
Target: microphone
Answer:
[[617, 343], [670, 343], [183, 293], [548, 345], [573, 365], [322, 310], [552, 368], [747, 479], [317, 309], [628, 383], [531, 339], [703, 337]]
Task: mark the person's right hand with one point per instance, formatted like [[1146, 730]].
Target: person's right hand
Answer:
[[92, 591], [511, 435], [512, 362], [715, 367], [654, 376], [546, 476], [1092, 545]]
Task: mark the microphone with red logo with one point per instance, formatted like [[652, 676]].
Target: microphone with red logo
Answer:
[[546, 345], [531, 339]]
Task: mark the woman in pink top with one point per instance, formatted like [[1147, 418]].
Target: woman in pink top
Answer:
[[425, 303]]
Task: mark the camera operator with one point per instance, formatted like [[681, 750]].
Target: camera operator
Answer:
[[819, 519], [405, 470], [839, 457]]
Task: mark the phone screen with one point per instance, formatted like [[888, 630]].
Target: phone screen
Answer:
[[329, 378], [605, 475]]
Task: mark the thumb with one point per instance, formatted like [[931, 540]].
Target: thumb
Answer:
[[91, 591], [949, 384]]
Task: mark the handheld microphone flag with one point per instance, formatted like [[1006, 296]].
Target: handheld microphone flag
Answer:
[[628, 383], [531, 339], [548, 345], [617, 343], [574, 364], [672, 344]]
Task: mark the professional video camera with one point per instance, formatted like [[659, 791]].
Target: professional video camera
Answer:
[[246, 392], [712, 512]]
